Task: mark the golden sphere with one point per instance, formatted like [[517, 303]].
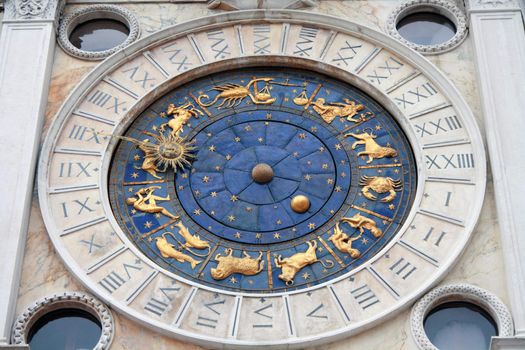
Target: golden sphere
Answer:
[[300, 204], [262, 173]]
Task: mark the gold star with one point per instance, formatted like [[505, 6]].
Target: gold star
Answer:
[[237, 235], [213, 194], [134, 175], [258, 235], [337, 146], [319, 249], [260, 139], [268, 115], [154, 128], [162, 114], [343, 162], [307, 177], [249, 209], [332, 212], [302, 135], [228, 157], [197, 212], [276, 235], [237, 139], [380, 171], [286, 99], [148, 224], [233, 280], [248, 128], [330, 181], [157, 215], [364, 241], [133, 211], [313, 128], [234, 198], [208, 134], [136, 157], [211, 148], [212, 212], [311, 225], [306, 275], [396, 171], [218, 168], [378, 127], [184, 176], [231, 218], [130, 189], [294, 229], [181, 187], [325, 166], [197, 193], [205, 179], [296, 154], [309, 162], [343, 174], [391, 207], [278, 222], [337, 189], [321, 149]]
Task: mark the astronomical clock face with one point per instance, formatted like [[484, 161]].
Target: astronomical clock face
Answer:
[[262, 205]]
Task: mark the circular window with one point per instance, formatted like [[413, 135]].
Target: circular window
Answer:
[[97, 31], [99, 35], [428, 26], [458, 325], [65, 329]]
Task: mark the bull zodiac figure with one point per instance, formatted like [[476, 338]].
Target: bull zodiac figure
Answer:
[[343, 242], [233, 94], [229, 265], [167, 250], [372, 149], [380, 185], [292, 265], [362, 222], [181, 115]]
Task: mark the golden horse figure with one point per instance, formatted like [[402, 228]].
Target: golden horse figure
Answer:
[[148, 204], [362, 222], [344, 243], [372, 149], [292, 265], [167, 250], [330, 111], [229, 264], [192, 241], [233, 94], [380, 184], [181, 115]]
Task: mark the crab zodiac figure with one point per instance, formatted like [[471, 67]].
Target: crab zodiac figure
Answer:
[[145, 201], [380, 184], [181, 115], [372, 149]]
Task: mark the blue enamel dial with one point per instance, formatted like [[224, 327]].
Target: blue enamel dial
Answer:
[[293, 178]]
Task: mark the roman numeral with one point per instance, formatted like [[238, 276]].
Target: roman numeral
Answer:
[[414, 96], [364, 296], [261, 39], [305, 44], [104, 100], [261, 312], [91, 244], [78, 132], [438, 240], [385, 71], [220, 45], [455, 160], [112, 282], [176, 57], [441, 125], [346, 53], [403, 268], [158, 305], [74, 169], [135, 76], [81, 205], [314, 312], [213, 320]]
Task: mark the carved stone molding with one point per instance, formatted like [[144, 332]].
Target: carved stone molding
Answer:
[[69, 22], [442, 7], [234, 5], [74, 300], [458, 292], [33, 9], [492, 4]]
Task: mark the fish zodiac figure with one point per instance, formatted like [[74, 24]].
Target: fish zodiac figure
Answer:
[[229, 264], [343, 242], [362, 222], [233, 94], [292, 265], [145, 201], [330, 111], [181, 115], [380, 184], [372, 149], [167, 250]]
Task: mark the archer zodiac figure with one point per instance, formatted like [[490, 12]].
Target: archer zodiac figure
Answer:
[[181, 115], [343, 242], [146, 202], [372, 149], [380, 185], [233, 94]]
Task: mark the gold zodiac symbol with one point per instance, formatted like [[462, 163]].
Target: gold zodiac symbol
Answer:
[[167, 250], [380, 185], [229, 264], [181, 115], [192, 241], [292, 265], [362, 222], [148, 203], [343, 242], [372, 149], [330, 111]]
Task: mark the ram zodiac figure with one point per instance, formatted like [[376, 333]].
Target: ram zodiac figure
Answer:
[[229, 264]]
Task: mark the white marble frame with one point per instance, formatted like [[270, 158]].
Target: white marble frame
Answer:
[[128, 53]]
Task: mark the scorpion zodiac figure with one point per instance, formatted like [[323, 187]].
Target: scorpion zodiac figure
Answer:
[[380, 184], [233, 94], [372, 149], [181, 115]]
